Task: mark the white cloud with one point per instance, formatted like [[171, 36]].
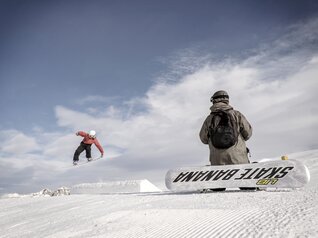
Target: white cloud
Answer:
[[95, 99], [16, 142]]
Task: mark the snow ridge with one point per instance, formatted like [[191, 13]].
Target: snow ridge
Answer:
[[129, 186]]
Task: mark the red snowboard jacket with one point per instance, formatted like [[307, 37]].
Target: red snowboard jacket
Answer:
[[89, 140]]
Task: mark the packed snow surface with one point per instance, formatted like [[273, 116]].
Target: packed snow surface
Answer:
[[284, 213]]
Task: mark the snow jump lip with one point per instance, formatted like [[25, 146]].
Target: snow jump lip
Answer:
[[307, 173], [127, 186]]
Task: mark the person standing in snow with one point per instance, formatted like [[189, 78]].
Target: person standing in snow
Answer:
[[234, 150], [88, 140]]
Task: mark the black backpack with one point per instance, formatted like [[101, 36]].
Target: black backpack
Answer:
[[223, 131]]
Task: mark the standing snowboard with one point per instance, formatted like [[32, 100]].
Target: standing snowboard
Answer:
[[272, 174]]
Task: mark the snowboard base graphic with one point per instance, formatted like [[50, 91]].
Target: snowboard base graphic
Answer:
[[271, 174]]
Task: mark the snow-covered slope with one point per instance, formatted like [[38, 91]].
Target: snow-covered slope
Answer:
[[163, 214]]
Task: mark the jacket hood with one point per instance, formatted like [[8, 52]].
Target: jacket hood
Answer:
[[220, 106]]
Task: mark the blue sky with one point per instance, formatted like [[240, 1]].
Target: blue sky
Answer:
[[141, 73], [57, 52]]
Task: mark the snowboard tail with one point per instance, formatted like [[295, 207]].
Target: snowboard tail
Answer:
[[274, 174], [85, 162]]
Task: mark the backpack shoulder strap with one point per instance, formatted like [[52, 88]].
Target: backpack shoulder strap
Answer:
[[215, 118]]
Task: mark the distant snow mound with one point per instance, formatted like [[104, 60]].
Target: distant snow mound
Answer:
[[48, 193], [12, 195], [303, 156], [130, 186], [43, 193], [62, 191]]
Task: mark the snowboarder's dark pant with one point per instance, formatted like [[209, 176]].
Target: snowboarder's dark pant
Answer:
[[80, 149]]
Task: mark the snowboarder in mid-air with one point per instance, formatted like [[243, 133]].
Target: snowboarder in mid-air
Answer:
[[88, 140]]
